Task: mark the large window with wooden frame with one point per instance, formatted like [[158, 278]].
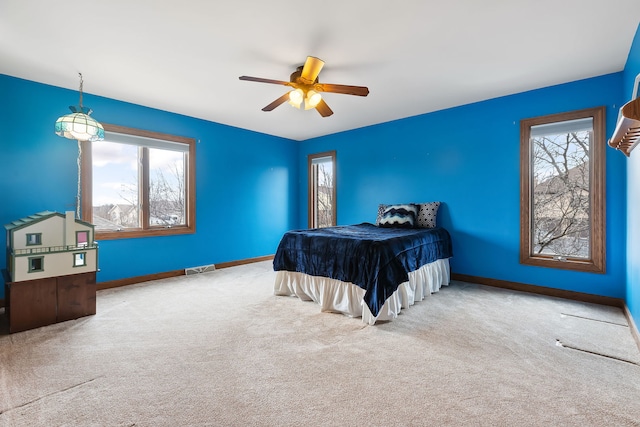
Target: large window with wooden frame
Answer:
[[138, 183], [562, 173], [322, 189]]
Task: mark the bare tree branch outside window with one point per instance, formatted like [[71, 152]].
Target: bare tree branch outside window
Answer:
[[561, 223], [167, 191], [325, 195], [166, 206]]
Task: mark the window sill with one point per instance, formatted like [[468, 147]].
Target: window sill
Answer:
[[137, 233], [588, 266]]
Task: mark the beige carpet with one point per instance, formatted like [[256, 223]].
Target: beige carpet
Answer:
[[218, 349]]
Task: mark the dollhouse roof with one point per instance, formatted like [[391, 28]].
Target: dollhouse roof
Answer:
[[35, 218], [31, 219]]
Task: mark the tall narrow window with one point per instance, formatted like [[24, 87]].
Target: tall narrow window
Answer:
[[322, 189], [137, 183], [563, 191]]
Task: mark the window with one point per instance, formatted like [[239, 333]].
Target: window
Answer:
[[34, 239], [80, 259], [322, 189], [562, 173], [138, 183], [36, 264], [82, 238]]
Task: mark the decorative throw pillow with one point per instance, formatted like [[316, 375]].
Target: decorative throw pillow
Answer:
[[427, 214], [399, 216], [381, 209]]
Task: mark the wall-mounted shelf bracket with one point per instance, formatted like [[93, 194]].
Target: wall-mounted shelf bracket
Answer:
[[627, 133]]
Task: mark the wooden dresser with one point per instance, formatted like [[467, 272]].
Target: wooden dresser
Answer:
[[34, 303]]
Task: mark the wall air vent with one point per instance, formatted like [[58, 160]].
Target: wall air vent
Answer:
[[199, 270]]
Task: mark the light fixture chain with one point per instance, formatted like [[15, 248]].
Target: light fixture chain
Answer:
[[81, 83], [79, 193]]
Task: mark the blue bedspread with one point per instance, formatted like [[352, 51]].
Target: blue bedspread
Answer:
[[376, 259]]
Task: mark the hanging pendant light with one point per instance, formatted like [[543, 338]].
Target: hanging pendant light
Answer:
[[79, 125]]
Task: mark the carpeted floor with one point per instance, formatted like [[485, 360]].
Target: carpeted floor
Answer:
[[219, 349]]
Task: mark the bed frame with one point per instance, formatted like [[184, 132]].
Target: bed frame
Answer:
[[342, 297], [363, 270]]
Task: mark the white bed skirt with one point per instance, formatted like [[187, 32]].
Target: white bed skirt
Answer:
[[347, 298]]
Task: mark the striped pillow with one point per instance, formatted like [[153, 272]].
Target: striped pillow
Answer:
[[400, 216]]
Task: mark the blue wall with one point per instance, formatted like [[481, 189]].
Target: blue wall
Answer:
[[632, 69], [469, 158], [246, 182]]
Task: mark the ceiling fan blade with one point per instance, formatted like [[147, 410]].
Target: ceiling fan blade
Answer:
[[345, 89], [261, 80], [324, 109], [284, 98], [311, 69]]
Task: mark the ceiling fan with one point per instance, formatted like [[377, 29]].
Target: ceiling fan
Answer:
[[306, 88]]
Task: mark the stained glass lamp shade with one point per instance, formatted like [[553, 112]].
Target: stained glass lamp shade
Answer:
[[79, 125]]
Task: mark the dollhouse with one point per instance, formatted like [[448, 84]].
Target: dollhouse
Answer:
[[52, 262], [50, 244]]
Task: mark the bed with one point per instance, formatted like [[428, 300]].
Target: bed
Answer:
[[363, 270]]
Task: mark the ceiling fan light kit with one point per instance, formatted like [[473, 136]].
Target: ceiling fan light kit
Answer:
[[312, 99], [306, 88], [295, 97]]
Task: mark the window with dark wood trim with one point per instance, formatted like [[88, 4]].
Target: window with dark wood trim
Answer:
[[562, 182], [152, 200], [322, 189]]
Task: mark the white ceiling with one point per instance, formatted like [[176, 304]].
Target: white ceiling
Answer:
[[416, 56]]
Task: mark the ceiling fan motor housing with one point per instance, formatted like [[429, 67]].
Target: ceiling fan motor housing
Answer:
[[296, 77]]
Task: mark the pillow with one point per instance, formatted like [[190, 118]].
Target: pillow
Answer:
[[399, 216], [381, 209], [427, 214]]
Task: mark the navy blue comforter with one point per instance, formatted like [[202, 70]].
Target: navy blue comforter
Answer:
[[374, 258]]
